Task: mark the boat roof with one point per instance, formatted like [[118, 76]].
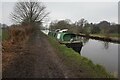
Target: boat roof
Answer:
[[63, 30]]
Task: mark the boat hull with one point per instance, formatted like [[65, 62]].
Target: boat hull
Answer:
[[76, 46]]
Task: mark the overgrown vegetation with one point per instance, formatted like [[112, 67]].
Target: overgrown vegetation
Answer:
[[12, 37], [79, 65]]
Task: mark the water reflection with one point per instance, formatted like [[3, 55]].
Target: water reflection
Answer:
[[85, 40], [106, 45], [107, 56]]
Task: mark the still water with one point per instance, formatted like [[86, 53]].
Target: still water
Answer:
[[103, 53]]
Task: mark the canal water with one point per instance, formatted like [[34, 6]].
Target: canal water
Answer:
[[103, 53], [100, 52]]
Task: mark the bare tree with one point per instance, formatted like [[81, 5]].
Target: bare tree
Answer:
[[80, 24], [29, 12]]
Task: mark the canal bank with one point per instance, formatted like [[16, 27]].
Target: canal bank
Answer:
[[102, 38], [77, 64], [99, 52]]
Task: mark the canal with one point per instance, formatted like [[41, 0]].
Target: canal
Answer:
[[100, 52], [103, 53]]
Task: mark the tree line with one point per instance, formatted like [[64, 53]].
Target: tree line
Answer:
[[83, 26]]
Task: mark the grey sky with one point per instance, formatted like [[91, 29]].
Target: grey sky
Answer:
[[91, 11]]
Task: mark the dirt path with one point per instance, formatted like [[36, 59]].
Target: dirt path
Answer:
[[36, 60]]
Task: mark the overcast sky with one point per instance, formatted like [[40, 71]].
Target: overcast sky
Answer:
[[91, 11]]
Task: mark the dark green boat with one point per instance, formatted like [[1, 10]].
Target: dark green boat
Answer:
[[69, 39]]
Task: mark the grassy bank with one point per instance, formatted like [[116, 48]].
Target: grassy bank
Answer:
[[79, 65]]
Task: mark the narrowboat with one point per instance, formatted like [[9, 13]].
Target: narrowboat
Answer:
[[71, 40]]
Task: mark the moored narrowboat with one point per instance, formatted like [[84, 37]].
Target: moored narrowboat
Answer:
[[71, 40]]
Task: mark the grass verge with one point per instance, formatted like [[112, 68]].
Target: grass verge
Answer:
[[79, 65]]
